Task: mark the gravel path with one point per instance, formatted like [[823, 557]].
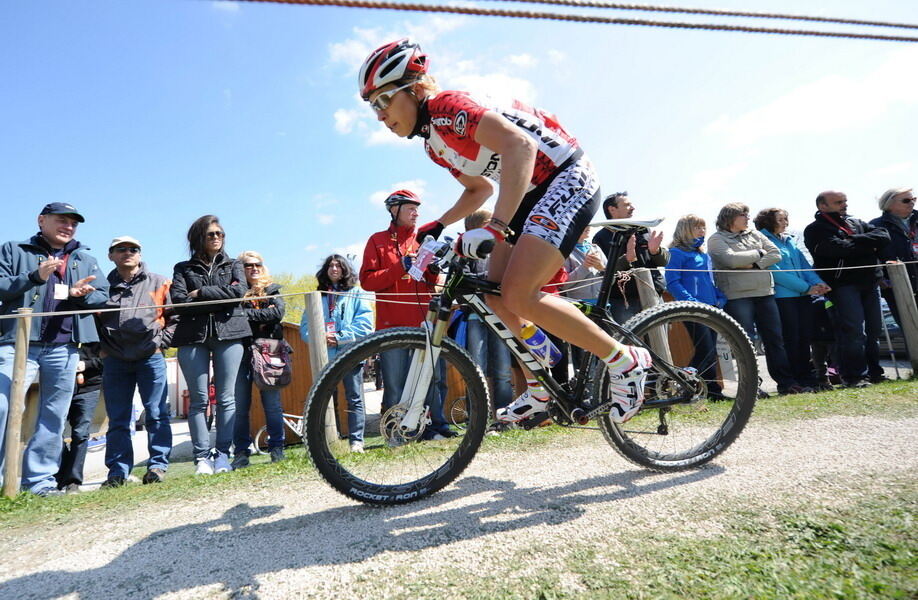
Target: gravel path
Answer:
[[307, 541]]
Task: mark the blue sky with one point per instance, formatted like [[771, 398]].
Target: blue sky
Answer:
[[149, 113]]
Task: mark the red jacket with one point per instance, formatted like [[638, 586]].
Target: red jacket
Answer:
[[382, 272]]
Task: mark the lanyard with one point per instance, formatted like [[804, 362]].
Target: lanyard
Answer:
[[844, 228]]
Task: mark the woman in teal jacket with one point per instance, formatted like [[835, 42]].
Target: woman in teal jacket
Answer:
[[348, 317], [794, 287]]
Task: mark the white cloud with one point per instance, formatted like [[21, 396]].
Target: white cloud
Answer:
[[523, 61], [310, 247], [831, 103], [705, 195], [893, 169], [353, 51], [230, 7], [325, 219], [418, 186], [345, 120], [498, 86], [381, 136], [556, 57]]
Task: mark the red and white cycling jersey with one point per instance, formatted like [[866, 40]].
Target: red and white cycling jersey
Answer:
[[454, 118]]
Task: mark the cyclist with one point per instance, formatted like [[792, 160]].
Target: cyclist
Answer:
[[547, 195]]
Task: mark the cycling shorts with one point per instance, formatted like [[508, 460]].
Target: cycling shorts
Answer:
[[558, 210]]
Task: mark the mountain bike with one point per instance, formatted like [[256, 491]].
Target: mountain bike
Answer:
[[292, 422], [694, 408]]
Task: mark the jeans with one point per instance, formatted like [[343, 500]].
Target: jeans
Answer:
[[270, 403], [119, 380], [395, 365], [73, 456], [857, 319], [195, 362], [356, 413], [797, 320], [493, 356], [55, 365], [705, 358], [761, 314]]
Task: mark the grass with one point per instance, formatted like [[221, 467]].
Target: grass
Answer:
[[866, 549], [891, 400]]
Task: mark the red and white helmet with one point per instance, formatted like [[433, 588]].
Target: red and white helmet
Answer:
[[396, 62], [400, 197]]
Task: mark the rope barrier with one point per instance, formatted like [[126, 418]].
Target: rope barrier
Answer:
[[716, 12], [485, 12], [371, 296]]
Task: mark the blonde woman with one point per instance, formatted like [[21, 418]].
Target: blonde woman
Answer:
[[689, 277], [264, 317]]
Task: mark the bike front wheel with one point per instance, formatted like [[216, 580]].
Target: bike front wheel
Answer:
[[396, 467], [679, 429]]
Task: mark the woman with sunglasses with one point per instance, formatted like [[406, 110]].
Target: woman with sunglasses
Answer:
[[900, 219], [209, 334], [264, 316], [547, 194]]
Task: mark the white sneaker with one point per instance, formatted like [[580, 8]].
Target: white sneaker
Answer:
[[627, 386], [222, 464], [357, 447], [522, 408], [205, 466]]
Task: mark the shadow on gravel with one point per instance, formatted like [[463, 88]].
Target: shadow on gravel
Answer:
[[233, 549]]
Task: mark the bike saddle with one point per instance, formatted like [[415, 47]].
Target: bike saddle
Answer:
[[627, 224]]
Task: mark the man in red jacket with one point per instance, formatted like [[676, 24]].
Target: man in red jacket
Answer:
[[400, 300]]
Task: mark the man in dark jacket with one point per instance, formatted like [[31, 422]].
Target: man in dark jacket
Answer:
[[132, 342], [837, 241], [50, 272], [900, 220], [641, 250]]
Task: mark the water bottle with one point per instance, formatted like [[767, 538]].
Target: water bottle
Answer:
[[540, 345]]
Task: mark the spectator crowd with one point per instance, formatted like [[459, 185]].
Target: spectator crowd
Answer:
[[753, 268]]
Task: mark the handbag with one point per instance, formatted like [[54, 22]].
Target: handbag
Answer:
[[272, 368]]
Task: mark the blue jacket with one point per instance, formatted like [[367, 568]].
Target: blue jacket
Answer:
[[20, 288], [789, 283], [353, 318], [696, 284]]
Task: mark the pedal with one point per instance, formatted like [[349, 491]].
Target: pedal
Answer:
[[534, 421]]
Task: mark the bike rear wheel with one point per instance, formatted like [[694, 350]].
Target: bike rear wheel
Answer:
[[394, 469], [715, 353]]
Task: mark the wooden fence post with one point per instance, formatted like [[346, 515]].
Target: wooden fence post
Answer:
[[13, 470], [318, 357], [908, 311], [659, 339]]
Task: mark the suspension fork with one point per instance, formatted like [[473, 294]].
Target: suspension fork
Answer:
[[423, 364]]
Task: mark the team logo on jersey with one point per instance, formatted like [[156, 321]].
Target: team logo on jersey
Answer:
[[461, 122], [545, 222]]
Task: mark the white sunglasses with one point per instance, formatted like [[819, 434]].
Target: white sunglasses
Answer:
[[384, 99]]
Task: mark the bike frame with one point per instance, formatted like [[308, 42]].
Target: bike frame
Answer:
[[469, 290]]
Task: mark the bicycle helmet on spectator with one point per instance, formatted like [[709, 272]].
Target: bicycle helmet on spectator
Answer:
[[400, 197], [396, 62]]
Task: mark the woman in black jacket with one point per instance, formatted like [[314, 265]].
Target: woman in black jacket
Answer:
[[211, 333], [264, 318]]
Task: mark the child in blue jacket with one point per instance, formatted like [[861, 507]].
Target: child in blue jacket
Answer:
[[689, 277]]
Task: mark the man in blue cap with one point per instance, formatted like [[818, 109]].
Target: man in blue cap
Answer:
[[50, 272]]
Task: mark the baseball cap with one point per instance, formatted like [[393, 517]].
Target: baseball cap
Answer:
[[124, 239], [62, 208]]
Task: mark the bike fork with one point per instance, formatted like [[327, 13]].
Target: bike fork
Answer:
[[420, 375]]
